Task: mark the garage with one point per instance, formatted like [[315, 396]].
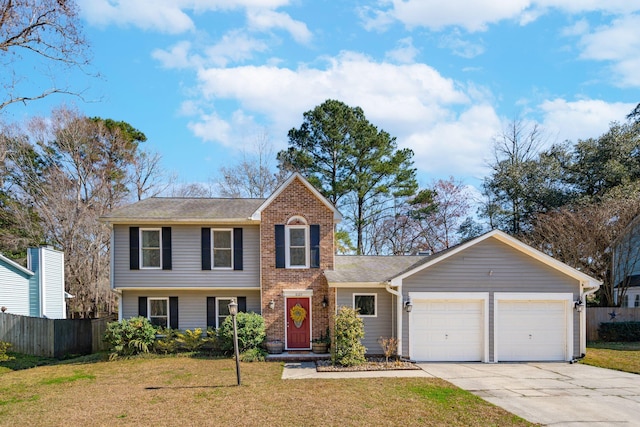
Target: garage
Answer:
[[532, 329], [448, 328]]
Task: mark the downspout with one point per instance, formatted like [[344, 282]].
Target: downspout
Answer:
[[398, 294], [583, 318]]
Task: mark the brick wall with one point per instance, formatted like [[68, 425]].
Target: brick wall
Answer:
[[295, 200]]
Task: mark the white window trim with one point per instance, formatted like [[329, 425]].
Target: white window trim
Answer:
[[287, 243], [636, 302], [213, 266], [375, 303], [141, 257], [218, 300], [149, 299]]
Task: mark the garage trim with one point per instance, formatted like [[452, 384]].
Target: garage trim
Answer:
[[533, 296], [483, 296]]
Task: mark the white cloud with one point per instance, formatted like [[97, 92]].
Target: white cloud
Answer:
[[404, 53], [564, 120], [460, 46], [178, 56], [477, 15], [618, 43], [267, 19], [235, 46], [448, 126]]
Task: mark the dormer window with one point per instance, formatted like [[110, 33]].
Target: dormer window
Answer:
[[297, 243]]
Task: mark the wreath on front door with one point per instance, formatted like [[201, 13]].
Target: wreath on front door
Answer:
[[298, 314]]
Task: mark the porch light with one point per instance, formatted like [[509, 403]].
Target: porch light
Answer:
[[233, 311], [325, 302], [578, 305], [408, 306], [272, 304]]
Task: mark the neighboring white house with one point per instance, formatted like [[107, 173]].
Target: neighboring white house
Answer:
[[37, 290]]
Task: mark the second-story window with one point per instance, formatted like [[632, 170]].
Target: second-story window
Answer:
[[297, 243], [222, 244], [150, 249]]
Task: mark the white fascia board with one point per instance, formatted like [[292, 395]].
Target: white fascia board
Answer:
[[257, 215], [119, 289], [356, 284], [16, 265]]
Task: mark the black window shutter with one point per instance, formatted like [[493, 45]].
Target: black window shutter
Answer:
[[314, 237], [134, 248], [211, 312], [166, 248], [242, 304], [280, 249], [173, 312], [142, 306], [206, 249], [237, 248]]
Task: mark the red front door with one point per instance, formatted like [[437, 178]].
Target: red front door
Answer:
[[298, 324]]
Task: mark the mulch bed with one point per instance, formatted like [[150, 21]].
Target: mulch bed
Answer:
[[372, 364]]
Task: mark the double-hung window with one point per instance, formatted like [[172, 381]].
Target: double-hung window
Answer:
[[222, 243], [150, 248], [223, 310], [636, 303], [365, 304], [159, 312], [297, 243]]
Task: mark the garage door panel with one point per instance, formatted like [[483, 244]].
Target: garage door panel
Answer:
[[447, 330], [531, 330]]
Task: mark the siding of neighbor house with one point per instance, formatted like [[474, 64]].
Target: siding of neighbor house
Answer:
[[192, 305], [14, 289], [34, 284], [186, 261], [383, 325], [468, 271], [52, 276]]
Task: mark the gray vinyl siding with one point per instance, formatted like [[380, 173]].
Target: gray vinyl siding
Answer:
[[186, 262], [53, 285], [511, 271], [192, 305], [383, 325], [14, 289], [34, 283]]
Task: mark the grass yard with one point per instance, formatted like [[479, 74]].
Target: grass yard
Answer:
[[190, 391], [621, 356]]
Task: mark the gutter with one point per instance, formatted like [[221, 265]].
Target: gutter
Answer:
[[398, 294]]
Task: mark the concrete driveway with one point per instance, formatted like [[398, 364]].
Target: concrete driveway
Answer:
[[558, 394]]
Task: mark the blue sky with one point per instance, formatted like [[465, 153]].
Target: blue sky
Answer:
[[205, 79]]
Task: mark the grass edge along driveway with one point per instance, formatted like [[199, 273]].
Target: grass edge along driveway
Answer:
[[620, 356], [190, 391]]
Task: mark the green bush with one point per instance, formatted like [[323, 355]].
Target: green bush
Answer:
[[349, 330], [165, 342], [254, 355], [130, 337], [190, 340], [4, 346], [619, 331], [251, 332]]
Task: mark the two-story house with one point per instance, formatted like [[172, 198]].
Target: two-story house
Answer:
[[180, 261]]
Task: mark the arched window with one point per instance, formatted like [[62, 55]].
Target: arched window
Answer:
[[297, 243]]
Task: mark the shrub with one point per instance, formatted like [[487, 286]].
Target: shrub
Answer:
[[130, 337], [4, 346], [619, 331], [251, 332], [190, 340], [349, 330], [253, 355], [389, 346], [166, 342]]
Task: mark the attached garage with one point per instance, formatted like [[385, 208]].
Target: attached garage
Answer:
[[533, 327], [449, 327]]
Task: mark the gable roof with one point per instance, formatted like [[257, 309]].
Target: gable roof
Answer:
[[337, 216], [516, 244], [368, 269], [15, 265], [185, 210]]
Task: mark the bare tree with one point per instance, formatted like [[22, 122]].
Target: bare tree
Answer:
[[148, 177], [49, 34], [195, 189], [254, 175]]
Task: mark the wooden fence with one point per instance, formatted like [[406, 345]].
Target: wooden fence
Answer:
[[597, 315], [52, 337]]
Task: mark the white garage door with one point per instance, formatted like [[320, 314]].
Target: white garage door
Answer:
[[531, 330], [447, 330]]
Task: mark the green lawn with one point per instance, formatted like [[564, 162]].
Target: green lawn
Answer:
[[190, 391], [618, 356]]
